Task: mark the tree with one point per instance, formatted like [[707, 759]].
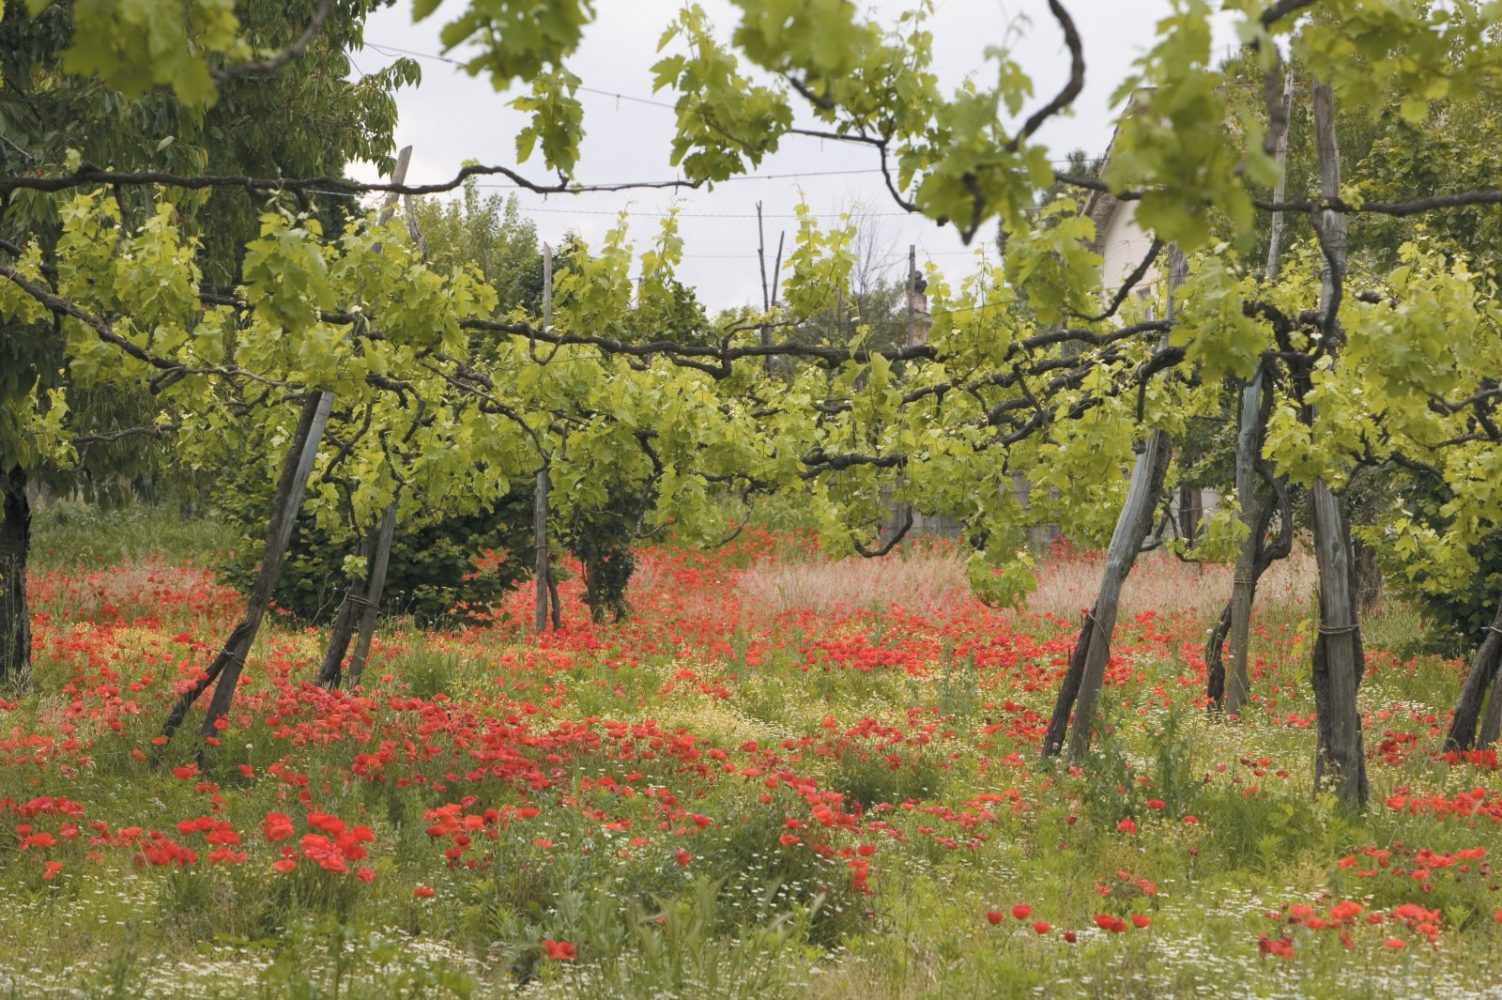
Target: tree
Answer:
[[489, 233], [58, 116]]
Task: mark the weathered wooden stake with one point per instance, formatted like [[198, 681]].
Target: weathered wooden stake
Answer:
[[1340, 762], [15, 547], [1087, 667], [227, 666], [1479, 680], [380, 563], [544, 567]]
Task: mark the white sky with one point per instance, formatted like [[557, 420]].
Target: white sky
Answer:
[[453, 117]]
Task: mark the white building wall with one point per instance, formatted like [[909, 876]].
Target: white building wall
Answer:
[[1123, 244]]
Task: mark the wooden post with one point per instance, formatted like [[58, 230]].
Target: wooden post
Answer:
[[1280, 154], [1338, 657], [380, 563], [15, 547], [912, 291], [777, 269], [766, 295], [1244, 580], [227, 666], [544, 569], [768, 291], [1088, 671], [1479, 680], [1087, 666]]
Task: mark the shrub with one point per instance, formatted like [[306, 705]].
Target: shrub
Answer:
[[433, 574]]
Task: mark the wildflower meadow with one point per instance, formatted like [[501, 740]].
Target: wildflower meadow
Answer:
[[784, 775]]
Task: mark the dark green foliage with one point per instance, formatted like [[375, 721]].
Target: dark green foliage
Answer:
[[1457, 618], [451, 571], [601, 541]]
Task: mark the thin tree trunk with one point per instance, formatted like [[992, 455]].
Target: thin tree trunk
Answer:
[[1189, 514], [1254, 556], [375, 589], [1479, 680], [15, 549], [1237, 616], [557, 607], [343, 631], [1368, 576], [543, 571], [1338, 657], [228, 664]]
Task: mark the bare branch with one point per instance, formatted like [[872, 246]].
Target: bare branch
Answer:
[[1282, 9], [271, 64], [891, 543], [1072, 88], [157, 431], [1127, 286], [92, 176]]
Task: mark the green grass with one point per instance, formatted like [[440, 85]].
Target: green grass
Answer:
[[68, 535], [960, 817]]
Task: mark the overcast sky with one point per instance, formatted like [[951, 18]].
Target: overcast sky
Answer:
[[453, 117]]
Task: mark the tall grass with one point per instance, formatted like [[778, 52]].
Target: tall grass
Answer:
[[69, 535], [1067, 584], [918, 578]]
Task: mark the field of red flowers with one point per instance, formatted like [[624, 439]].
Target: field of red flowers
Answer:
[[783, 776]]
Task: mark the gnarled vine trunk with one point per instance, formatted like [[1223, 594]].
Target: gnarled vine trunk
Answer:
[[1262, 496], [330, 671], [1480, 680], [1256, 553], [15, 549]]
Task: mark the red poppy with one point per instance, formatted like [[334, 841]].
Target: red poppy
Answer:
[[559, 951]]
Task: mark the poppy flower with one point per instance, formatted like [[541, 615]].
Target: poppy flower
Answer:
[[558, 951]]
